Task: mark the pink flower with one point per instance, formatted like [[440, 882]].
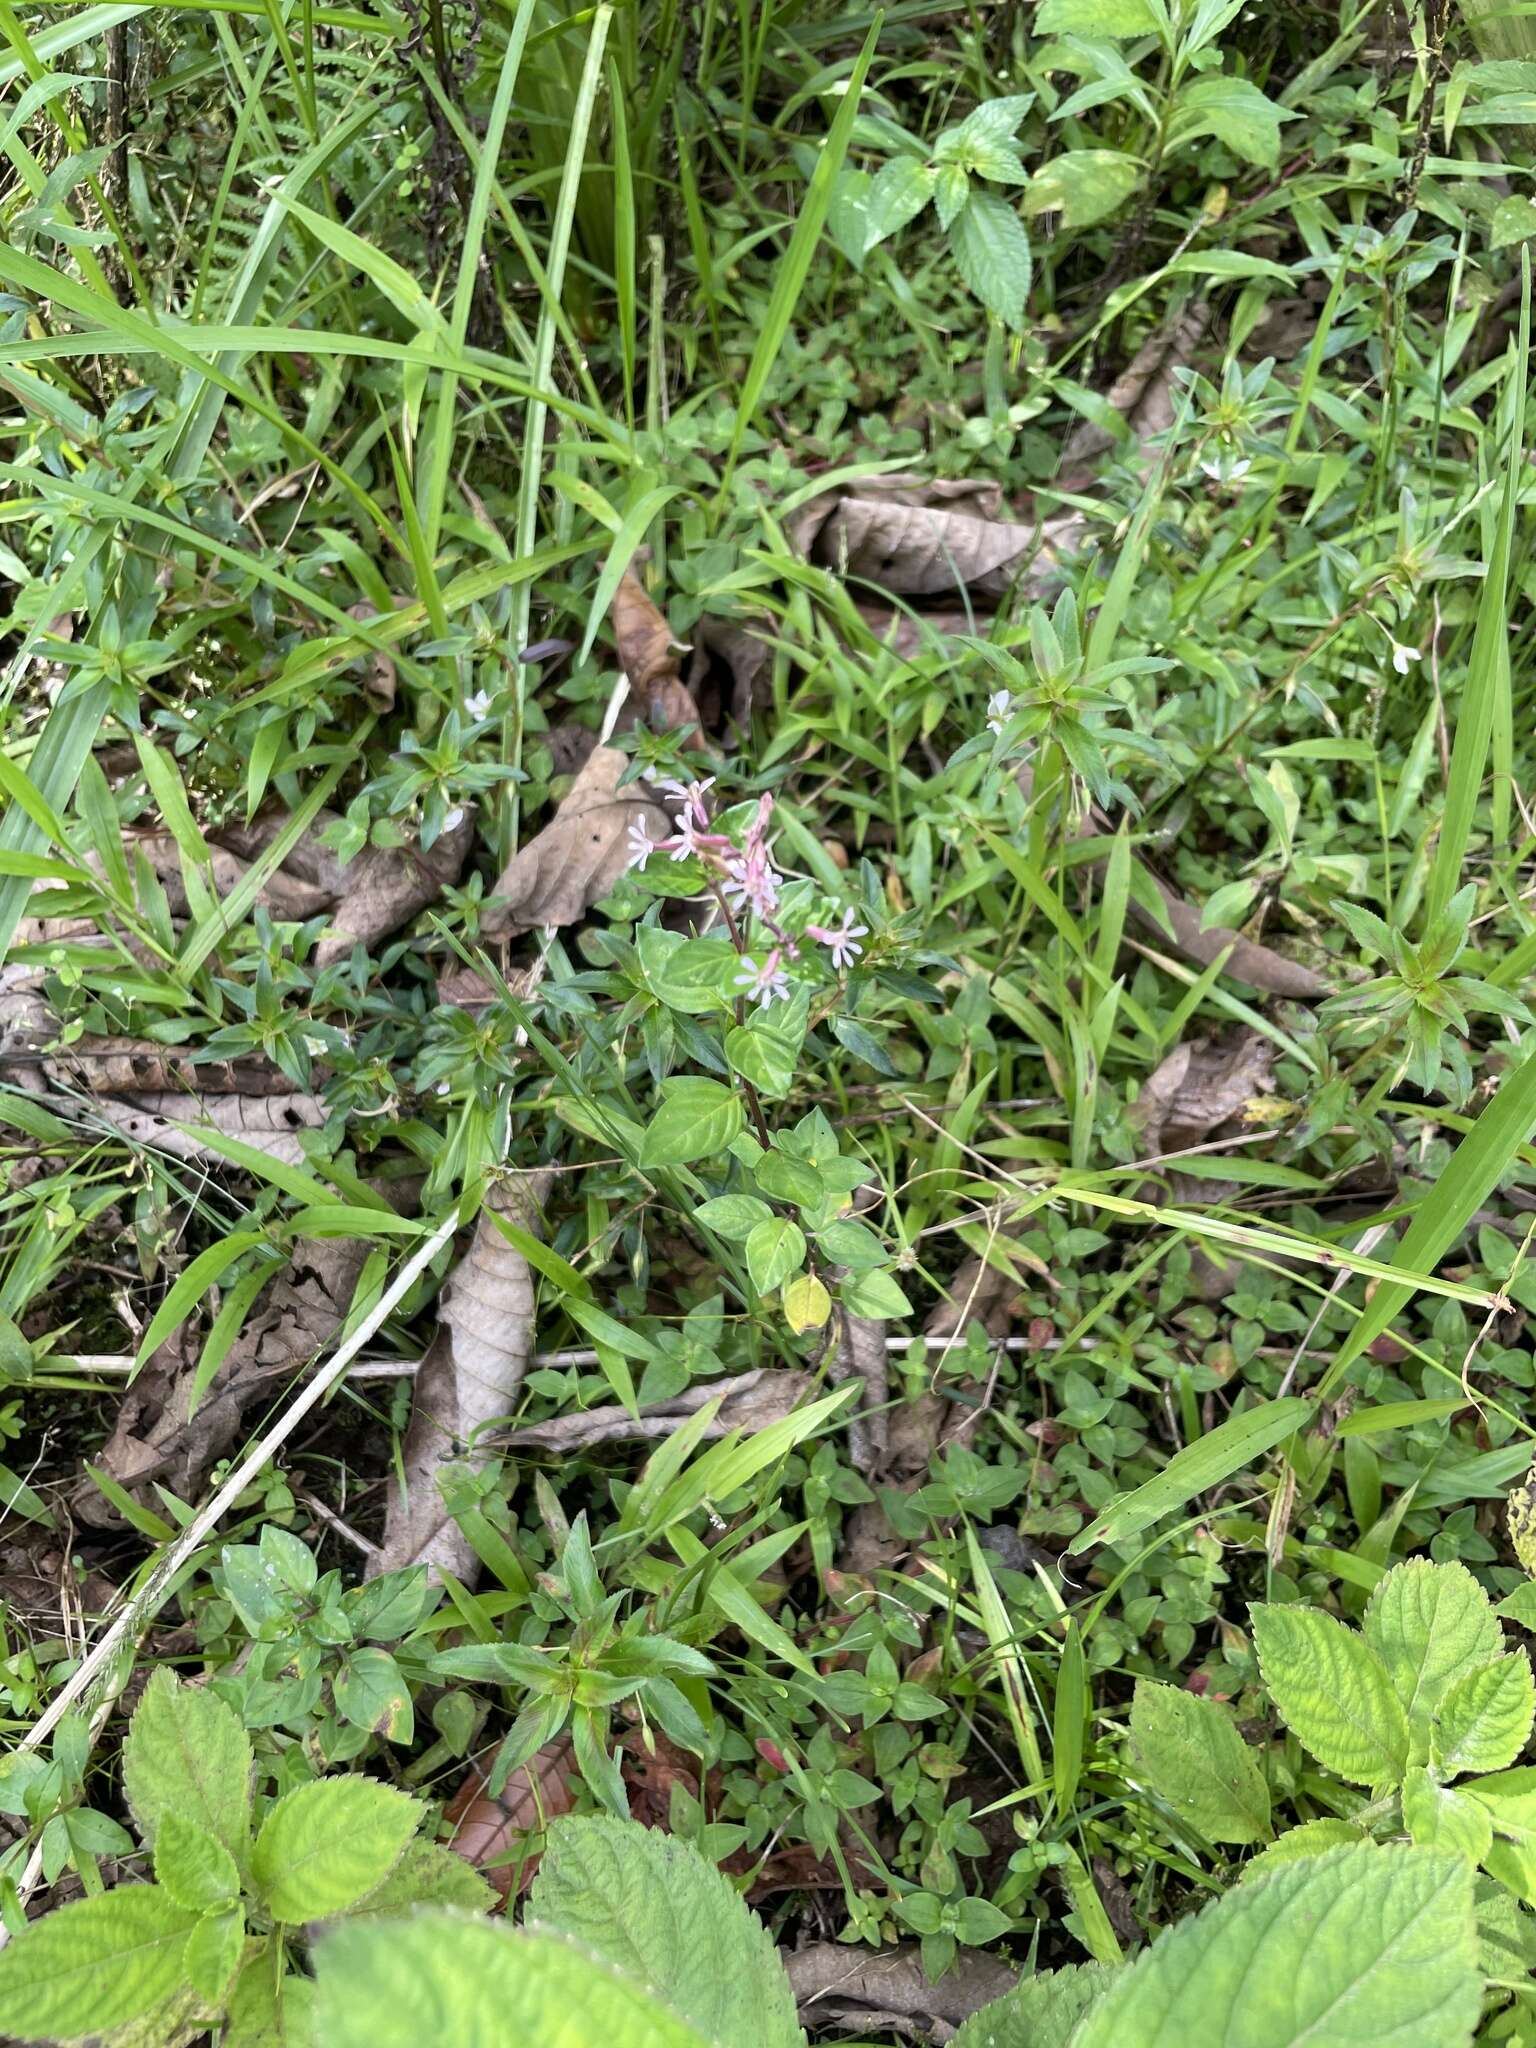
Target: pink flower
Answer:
[[766, 984], [751, 878], [841, 939], [692, 795]]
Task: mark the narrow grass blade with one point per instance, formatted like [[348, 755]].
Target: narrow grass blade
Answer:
[[1195, 1469]]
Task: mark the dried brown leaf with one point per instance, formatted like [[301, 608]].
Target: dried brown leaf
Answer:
[[1145, 394], [921, 538], [649, 657], [1201, 1085], [580, 855], [380, 680], [1260, 966], [469, 1378], [860, 1355], [270, 1123], [488, 1832], [153, 1437], [749, 1402], [833, 1983]]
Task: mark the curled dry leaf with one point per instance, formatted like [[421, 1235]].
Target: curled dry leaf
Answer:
[[469, 1377], [380, 680], [581, 853], [1145, 394], [860, 1355], [1260, 966], [270, 1123], [649, 657], [488, 1832], [1201, 1085], [155, 1437], [749, 1402], [138, 1066], [837, 1985], [923, 538]]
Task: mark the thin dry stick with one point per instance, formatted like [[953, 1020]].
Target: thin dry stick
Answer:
[[143, 1606]]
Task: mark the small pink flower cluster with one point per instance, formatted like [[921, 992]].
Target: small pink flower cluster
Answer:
[[747, 884]]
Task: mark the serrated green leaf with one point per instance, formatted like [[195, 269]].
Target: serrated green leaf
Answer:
[[1439, 1817], [439, 1978], [900, 190], [94, 1965], [649, 1904], [195, 1869], [266, 2013], [1485, 1718], [1082, 185], [1189, 1751], [1310, 1839], [1041, 2013], [1333, 1692], [213, 1951], [1428, 1623], [991, 252], [1357, 1945], [774, 1250], [427, 1875], [1235, 112], [186, 1753], [951, 189], [697, 1119], [324, 1845], [1514, 220]]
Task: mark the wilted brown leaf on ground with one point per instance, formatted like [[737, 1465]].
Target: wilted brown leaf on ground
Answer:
[[380, 679], [1144, 395], [650, 659], [581, 853], [154, 1437], [922, 538], [1260, 966], [137, 1066], [469, 1377], [860, 1355], [270, 1123], [749, 1402], [835, 1985], [1199, 1086], [486, 1829]]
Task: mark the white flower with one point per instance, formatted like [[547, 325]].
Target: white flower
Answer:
[[766, 984], [840, 940], [641, 844], [1403, 657], [478, 705], [454, 819], [999, 707]]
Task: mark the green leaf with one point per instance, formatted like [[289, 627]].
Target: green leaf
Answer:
[[762, 1055], [775, 1249], [427, 1875], [875, 1295], [1439, 1817], [806, 1304], [1333, 1692], [186, 1753], [213, 1951], [195, 1869], [1358, 1945], [1310, 1839], [1041, 2013], [899, 192], [733, 1216], [371, 1693], [266, 2013], [1216, 1456], [94, 1965], [437, 1978], [951, 189], [1428, 1623], [1190, 1753], [1514, 220], [1235, 112], [699, 1118], [991, 252], [649, 1904], [1083, 186], [324, 1845], [1114, 18], [1485, 1719]]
